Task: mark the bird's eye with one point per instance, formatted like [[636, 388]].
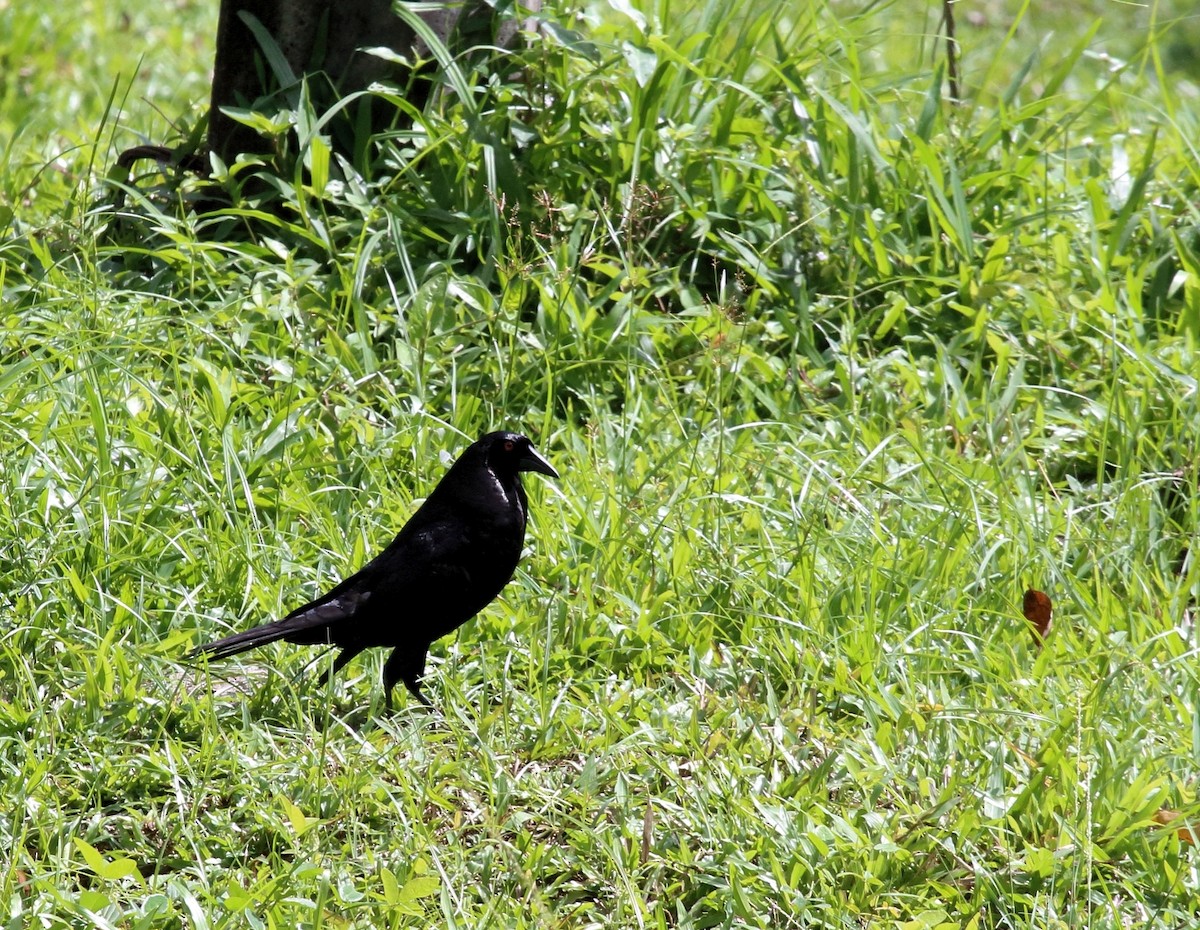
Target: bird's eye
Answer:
[[508, 445]]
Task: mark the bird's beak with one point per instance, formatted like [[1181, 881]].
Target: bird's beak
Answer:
[[532, 461]]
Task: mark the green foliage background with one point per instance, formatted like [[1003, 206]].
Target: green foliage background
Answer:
[[833, 367]]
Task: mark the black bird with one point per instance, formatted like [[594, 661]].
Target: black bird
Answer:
[[448, 562]]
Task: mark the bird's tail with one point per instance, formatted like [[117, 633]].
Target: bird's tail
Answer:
[[309, 625], [241, 642]]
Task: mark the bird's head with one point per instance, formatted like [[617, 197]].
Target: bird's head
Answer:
[[509, 453]]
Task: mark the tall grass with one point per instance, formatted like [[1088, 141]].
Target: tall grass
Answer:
[[833, 369]]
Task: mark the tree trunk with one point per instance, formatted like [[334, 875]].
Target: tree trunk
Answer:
[[326, 36]]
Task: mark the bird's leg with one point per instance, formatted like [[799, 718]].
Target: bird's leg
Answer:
[[339, 663], [407, 665]]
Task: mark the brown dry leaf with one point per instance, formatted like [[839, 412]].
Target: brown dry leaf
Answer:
[[1038, 609], [1165, 816]]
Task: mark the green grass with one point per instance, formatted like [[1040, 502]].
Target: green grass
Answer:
[[833, 371]]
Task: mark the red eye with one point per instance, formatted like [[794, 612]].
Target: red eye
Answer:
[[508, 445]]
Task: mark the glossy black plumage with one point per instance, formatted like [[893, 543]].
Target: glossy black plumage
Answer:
[[448, 562]]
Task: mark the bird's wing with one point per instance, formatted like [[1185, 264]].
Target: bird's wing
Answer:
[[424, 556], [428, 555]]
